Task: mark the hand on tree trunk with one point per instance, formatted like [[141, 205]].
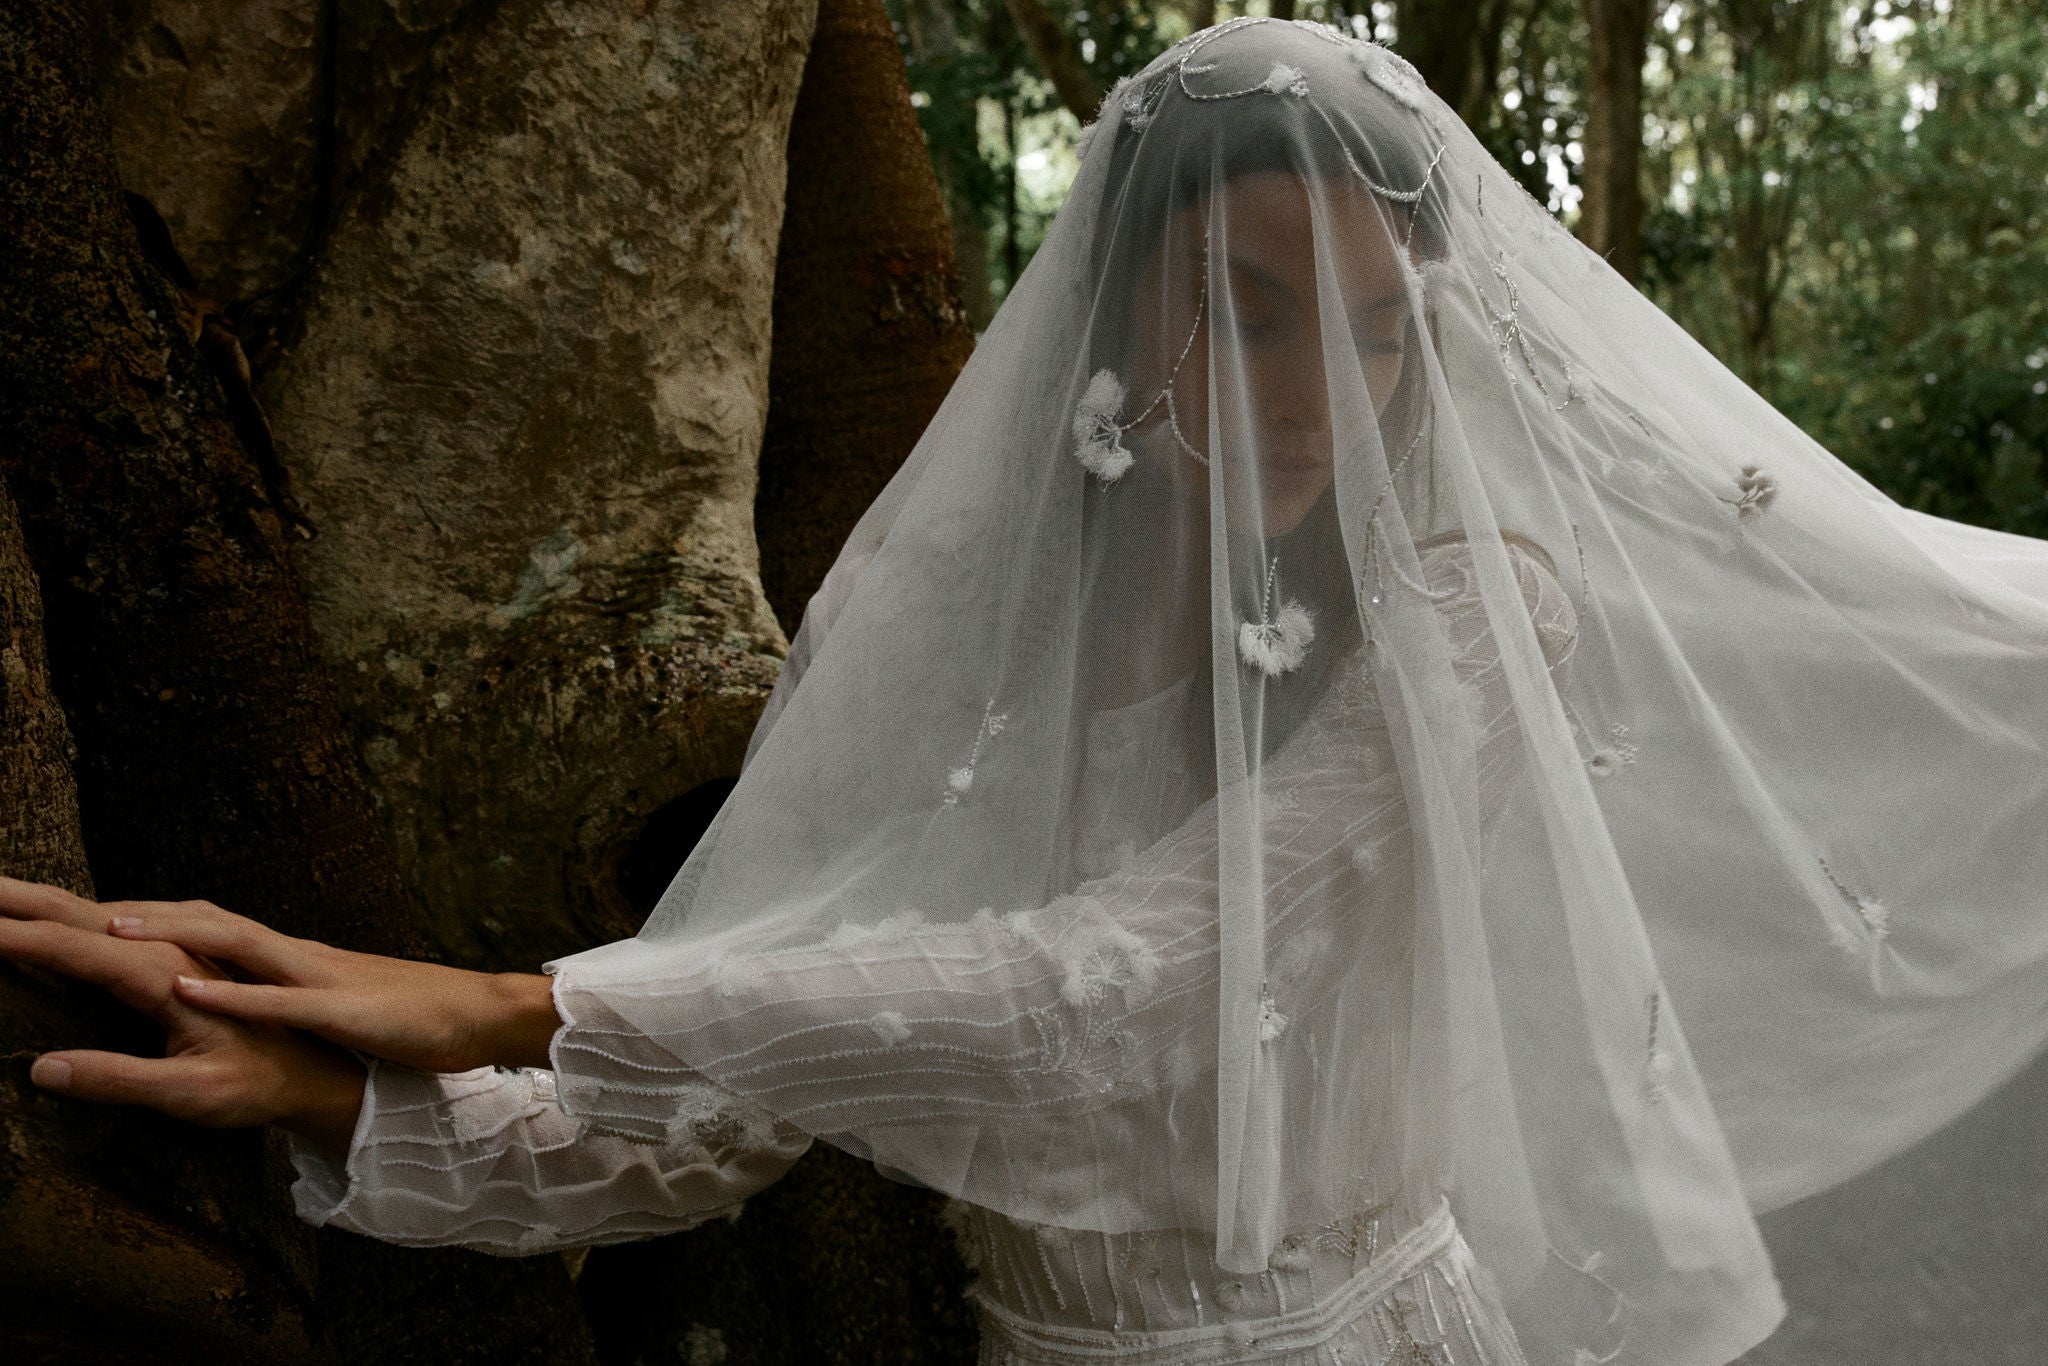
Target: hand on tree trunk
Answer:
[[215, 1071], [244, 1052]]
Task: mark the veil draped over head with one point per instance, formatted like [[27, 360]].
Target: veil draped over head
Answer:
[[1346, 706]]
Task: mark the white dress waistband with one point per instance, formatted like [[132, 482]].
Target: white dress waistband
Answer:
[[1361, 1320]]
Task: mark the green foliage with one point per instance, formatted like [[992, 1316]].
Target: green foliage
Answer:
[[1850, 207], [1846, 200]]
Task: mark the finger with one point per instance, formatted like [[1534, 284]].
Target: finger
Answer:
[[138, 975], [219, 934], [298, 1007], [40, 901], [186, 1087]]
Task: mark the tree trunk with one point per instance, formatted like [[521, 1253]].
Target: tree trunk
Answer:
[[1611, 212], [90, 1275], [523, 416], [1056, 57], [212, 759], [39, 837], [834, 1264], [219, 117], [869, 330], [1441, 38], [933, 30]]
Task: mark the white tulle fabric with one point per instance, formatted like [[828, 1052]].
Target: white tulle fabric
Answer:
[[488, 1160], [1347, 713]]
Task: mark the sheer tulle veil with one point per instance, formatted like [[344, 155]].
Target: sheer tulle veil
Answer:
[[1753, 893]]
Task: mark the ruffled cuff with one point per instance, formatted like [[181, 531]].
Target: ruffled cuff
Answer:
[[488, 1159], [323, 1187], [621, 1080]]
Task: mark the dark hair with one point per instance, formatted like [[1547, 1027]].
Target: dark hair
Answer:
[[1184, 151], [1188, 149]]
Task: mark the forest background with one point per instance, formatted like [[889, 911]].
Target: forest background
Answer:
[[423, 422]]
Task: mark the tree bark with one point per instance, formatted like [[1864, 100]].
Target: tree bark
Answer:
[[523, 415], [834, 1264], [212, 762], [90, 1275], [869, 329], [1441, 38], [933, 30], [1611, 211], [1056, 57]]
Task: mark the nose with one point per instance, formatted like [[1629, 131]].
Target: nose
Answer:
[[1293, 396]]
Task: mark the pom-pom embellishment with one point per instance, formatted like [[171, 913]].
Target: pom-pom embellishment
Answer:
[[1286, 80], [890, 1026], [1098, 437], [1275, 646]]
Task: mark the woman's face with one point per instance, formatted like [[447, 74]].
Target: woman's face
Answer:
[[1267, 315]]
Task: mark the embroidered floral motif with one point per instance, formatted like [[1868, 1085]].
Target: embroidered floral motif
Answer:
[[1391, 73], [536, 1238], [1294, 1253], [854, 932], [889, 1026], [1754, 492], [1105, 958], [1353, 1234], [960, 781], [1272, 1024], [1408, 1349], [1614, 756], [1106, 970], [1513, 340], [1275, 646]]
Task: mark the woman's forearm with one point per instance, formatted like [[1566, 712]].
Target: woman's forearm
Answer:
[[526, 1021]]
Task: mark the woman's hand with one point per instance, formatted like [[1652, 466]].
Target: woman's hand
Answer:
[[219, 1072], [420, 1015]]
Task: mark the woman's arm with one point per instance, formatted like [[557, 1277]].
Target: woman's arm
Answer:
[[482, 1158], [215, 1071], [421, 1015], [1063, 1007]]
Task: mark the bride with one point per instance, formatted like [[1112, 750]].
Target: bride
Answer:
[[1357, 799]]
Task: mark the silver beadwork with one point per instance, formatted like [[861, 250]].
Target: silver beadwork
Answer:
[[1276, 645]]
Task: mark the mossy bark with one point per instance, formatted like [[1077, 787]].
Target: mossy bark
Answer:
[[834, 1264], [522, 415], [212, 761]]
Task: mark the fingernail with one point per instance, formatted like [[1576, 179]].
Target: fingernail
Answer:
[[191, 983], [124, 922], [52, 1074]]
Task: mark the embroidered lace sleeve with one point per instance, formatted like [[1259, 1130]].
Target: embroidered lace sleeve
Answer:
[[488, 1160], [1072, 1003]]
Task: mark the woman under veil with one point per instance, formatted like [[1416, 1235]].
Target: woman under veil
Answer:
[[1357, 799]]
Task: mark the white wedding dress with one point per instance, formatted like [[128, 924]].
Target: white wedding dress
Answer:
[[1090, 1000]]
